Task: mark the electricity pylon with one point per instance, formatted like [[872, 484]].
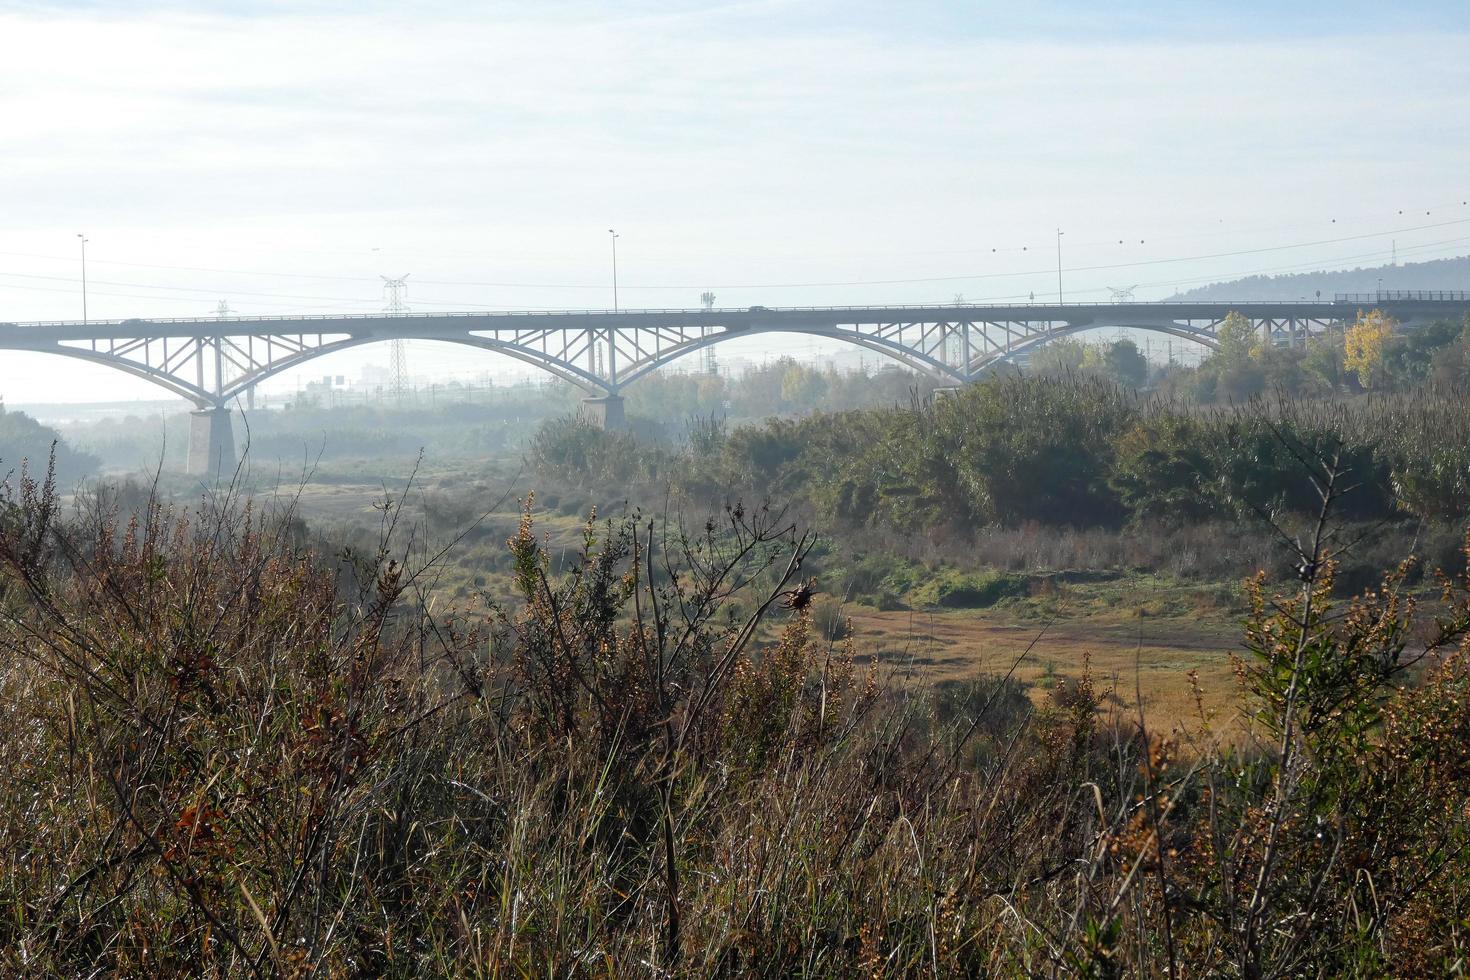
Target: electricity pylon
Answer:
[[711, 366], [394, 291]]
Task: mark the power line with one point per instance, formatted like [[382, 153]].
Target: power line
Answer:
[[358, 301], [461, 305], [782, 285], [1214, 232]]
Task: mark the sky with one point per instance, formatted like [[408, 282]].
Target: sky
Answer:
[[281, 157]]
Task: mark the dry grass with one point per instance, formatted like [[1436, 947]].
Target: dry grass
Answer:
[[230, 756], [1133, 638], [1156, 656]]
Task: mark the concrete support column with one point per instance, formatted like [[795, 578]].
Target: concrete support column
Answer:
[[604, 411], [211, 442]]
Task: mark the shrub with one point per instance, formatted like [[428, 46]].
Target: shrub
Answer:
[[954, 590], [229, 755], [830, 620], [1026, 449], [1164, 471], [577, 451]]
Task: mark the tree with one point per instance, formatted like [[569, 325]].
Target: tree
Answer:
[[1233, 371], [1024, 449], [1060, 357], [1240, 379], [1452, 364], [1364, 344], [802, 387], [1163, 470], [1125, 364], [1283, 369], [1323, 361], [24, 440], [1409, 358], [1237, 337]]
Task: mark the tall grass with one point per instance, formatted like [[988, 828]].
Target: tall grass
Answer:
[[229, 755]]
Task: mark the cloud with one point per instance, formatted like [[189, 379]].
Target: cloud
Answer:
[[731, 142]]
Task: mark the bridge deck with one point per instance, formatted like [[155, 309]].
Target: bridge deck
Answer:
[[411, 324]]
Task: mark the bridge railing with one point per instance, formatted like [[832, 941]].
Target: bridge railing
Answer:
[[1390, 295], [703, 315]]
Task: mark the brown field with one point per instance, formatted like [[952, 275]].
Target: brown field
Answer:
[[1136, 634], [1153, 657]]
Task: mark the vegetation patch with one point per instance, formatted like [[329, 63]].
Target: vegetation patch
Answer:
[[961, 590]]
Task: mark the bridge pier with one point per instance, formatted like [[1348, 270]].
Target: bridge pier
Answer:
[[211, 442], [604, 411]]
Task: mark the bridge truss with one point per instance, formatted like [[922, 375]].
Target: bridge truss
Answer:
[[213, 361]]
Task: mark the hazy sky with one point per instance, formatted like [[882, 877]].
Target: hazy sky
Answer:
[[282, 156]]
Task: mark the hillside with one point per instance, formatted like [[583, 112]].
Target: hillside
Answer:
[[1439, 274]]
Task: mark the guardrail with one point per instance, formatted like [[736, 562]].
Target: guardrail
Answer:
[[1386, 296], [1390, 295]]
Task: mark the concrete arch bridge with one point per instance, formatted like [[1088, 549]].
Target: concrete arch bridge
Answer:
[[213, 361]]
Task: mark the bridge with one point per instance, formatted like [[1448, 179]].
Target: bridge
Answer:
[[213, 361]]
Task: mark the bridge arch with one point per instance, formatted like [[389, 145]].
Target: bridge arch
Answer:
[[587, 380], [565, 370], [578, 375], [1201, 337], [915, 359], [926, 364], [163, 379]]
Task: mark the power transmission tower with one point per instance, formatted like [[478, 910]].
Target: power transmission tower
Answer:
[[1123, 295], [954, 337], [711, 366], [393, 291], [222, 311]]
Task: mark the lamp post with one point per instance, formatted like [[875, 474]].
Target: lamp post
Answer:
[[615, 267], [83, 239], [1059, 266]]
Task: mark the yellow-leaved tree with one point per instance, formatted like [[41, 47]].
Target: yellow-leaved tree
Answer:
[[1363, 346], [1238, 338]]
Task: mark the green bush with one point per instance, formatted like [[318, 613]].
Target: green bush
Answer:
[[584, 454], [1055, 451], [955, 590], [1164, 471]]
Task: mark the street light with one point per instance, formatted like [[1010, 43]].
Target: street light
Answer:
[[84, 275], [615, 267], [1059, 266]]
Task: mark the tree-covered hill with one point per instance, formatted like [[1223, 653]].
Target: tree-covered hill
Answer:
[[1439, 274], [23, 438]]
